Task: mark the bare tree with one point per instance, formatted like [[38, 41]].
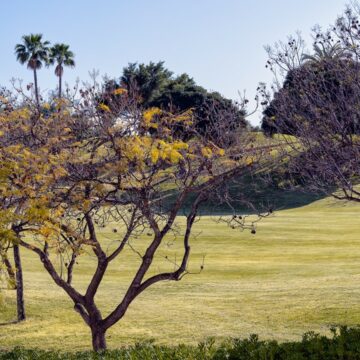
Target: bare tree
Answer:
[[317, 109], [120, 165]]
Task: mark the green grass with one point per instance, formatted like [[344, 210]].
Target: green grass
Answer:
[[344, 343], [300, 272]]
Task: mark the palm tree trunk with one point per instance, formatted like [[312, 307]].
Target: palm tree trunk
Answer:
[[19, 285], [60, 81], [36, 90]]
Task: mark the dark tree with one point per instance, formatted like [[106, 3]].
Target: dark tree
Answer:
[[315, 92], [317, 109], [147, 80], [155, 86]]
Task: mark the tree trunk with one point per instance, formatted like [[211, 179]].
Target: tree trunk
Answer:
[[98, 339], [36, 90], [9, 270], [19, 285], [60, 85]]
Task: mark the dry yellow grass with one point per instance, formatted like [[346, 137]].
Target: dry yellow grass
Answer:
[[300, 272]]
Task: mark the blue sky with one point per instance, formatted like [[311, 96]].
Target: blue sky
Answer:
[[217, 42]]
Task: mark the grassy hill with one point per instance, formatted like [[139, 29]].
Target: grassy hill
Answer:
[[300, 272], [264, 190], [264, 194]]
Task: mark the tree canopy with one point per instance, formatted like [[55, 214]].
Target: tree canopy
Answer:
[[315, 92], [317, 103], [156, 86], [61, 185]]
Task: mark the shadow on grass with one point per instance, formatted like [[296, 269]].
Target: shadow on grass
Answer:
[[262, 196], [11, 322]]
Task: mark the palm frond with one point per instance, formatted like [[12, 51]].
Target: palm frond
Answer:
[[33, 50], [61, 54]]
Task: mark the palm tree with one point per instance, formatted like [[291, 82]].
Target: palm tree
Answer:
[[34, 52], [62, 56], [325, 52]]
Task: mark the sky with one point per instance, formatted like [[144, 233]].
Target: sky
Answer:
[[220, 43]]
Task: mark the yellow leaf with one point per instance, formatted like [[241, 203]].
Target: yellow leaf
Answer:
[[119, 91], [46, 231], [179, 145], [150, 113], [154, 155], [104, 107], [175, 156], [206, 152]]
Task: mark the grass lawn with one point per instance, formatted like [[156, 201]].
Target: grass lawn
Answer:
[[300, 272]]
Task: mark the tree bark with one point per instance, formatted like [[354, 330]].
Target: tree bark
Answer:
[[9, 269], [19, 285], [98, 338], [36, 90], [60, 86]]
